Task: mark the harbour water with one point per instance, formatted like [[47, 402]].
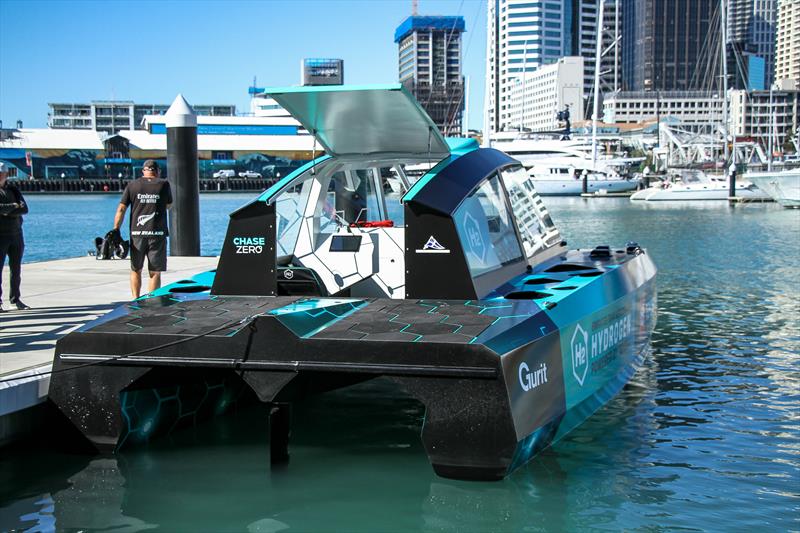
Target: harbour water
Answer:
[[706, 437]]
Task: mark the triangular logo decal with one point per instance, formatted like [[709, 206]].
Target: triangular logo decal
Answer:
[[433, 247], [433, 244]]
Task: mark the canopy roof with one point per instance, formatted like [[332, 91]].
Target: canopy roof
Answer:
[[352, 120]]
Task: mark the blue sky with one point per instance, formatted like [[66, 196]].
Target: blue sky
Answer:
[[148, 51]]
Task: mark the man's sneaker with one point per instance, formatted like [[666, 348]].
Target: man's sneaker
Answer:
[[1, 308], [21, 305]]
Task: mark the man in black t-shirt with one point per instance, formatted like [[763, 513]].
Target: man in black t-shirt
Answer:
[[149, 198], [12, 243]]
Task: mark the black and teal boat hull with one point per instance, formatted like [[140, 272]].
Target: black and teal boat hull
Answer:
[[466, 297]]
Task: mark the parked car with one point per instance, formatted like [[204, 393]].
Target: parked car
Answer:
[[226, 173], [249, 174]]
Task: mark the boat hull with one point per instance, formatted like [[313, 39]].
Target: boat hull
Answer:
[[501, 378], [678, 194], [783, 187], [599, 351], [574, 187]]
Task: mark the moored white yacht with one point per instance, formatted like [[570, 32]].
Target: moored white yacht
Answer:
[[564, 177], [782, 185], [696, 185], [556, 166]]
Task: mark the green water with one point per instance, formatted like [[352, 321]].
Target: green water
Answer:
[[706, 437]]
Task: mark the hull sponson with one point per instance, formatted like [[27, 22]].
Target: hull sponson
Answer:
[[598, 352], [461, 359]]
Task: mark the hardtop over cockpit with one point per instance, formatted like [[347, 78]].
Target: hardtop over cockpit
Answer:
[[351, 222]]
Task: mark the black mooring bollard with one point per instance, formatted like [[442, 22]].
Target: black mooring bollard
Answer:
[[183, 175], [585, 188], [280, 415], [732, 182]]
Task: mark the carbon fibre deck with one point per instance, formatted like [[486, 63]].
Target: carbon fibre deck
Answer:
[[412, 321], [166, 315]]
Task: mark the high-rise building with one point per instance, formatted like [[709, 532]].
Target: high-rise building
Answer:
[[751, 43], [521, 36], [663, 42], [322, 71], [429, 66], [787, 42], [585, 15]]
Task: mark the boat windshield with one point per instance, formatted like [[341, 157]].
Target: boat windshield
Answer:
[[537, 230], [289, 208], [486, 229]]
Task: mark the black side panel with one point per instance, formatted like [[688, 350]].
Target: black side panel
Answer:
[[433, 273], [247, 263]]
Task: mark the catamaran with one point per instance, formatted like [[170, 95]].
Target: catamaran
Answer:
[[460, 290], [690, 184]]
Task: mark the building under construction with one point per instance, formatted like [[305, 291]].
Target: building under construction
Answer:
[[429, 51]]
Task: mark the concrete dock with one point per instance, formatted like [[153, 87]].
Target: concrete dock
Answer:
[[63, 295]]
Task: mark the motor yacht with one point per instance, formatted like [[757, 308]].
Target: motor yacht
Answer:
[[782, 185]]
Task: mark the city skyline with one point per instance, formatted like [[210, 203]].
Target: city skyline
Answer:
[[206, 61], [190, 52]]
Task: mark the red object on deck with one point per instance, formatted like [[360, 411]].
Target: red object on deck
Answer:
[[373, 224]]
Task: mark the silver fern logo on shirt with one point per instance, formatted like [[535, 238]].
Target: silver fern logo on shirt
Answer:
[[144, 219]]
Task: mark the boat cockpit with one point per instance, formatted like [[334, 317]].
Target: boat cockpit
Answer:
[[354, 225]]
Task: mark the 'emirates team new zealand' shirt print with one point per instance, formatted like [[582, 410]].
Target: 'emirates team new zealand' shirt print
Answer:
[[148, 199]]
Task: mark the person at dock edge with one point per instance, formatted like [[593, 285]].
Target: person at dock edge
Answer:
[[12, 243], [149, 198]]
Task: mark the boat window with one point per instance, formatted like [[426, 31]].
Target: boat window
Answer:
[[289, 208], [355, 197], [368, 189], [535, 225], [486, 229], [393, 190]]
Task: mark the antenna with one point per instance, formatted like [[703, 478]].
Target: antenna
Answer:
[[414, 7]]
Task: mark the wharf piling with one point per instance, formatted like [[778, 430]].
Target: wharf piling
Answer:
[[184, 178]]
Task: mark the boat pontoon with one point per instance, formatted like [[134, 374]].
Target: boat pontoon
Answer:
[[459, 289]]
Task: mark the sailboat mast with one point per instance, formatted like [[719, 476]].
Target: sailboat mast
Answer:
[[598, 50], [616, 46], [723, 50]]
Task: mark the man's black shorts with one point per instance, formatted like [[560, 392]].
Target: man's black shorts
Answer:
[[155, 249]]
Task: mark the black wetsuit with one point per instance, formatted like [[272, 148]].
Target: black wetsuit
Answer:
[[12, 243]]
